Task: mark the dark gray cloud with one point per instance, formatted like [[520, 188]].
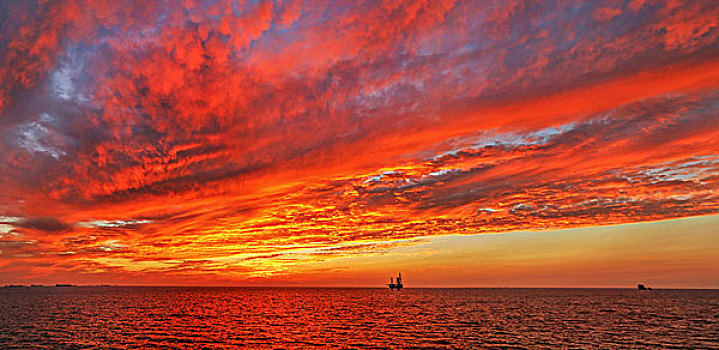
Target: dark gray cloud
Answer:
[[46, 224]]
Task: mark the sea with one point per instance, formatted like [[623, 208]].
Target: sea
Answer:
[[356, 318]]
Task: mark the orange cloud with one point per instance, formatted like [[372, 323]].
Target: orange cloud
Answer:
[[208, 138]]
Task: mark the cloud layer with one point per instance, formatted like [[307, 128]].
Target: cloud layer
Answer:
[[247, 138]]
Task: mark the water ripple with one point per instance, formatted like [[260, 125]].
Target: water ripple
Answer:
[[306, 318]]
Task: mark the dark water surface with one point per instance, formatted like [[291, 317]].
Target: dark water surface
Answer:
[[228, 318]]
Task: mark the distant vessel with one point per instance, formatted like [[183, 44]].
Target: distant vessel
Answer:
[[398, 286], [643, 287], [64, 285]]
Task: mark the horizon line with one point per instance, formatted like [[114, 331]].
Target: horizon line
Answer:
[[65, 285]]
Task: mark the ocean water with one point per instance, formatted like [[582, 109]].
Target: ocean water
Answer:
[[307, 318]]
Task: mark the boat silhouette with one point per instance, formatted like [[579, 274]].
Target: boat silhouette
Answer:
[[398, 285]]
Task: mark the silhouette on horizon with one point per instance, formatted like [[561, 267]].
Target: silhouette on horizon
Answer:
[[643, 287], [398, 286]]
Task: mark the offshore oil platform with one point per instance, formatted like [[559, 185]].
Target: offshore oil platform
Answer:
[[398, 286]]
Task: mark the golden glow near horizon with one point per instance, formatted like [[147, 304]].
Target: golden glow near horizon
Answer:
[[217, 142], [617, 256]]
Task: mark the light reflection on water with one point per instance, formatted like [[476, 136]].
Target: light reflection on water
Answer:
[[220, 318]]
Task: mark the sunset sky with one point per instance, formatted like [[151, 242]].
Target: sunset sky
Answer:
[[310, 142]]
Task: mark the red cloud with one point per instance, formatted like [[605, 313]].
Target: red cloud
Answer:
[[267, 134]]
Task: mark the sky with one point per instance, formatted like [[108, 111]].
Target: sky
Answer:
[[309, 142]]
